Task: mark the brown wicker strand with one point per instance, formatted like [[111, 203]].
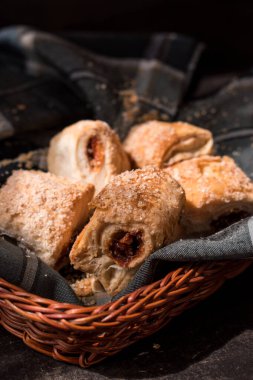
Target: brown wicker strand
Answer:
[[86, 335]]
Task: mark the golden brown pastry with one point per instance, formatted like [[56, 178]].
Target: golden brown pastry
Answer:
[[89, 151], [44, 211], [83, 287], [135, 214], [161, 144], [217, 191]]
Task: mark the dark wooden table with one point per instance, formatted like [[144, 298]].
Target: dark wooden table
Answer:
[[212, 341]]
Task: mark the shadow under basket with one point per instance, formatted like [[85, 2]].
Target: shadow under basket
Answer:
[[87, 335]]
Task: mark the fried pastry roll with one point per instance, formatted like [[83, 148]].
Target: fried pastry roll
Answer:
[[217, 191], [161, 144], [135, 214], [89, 151], [44, 212]]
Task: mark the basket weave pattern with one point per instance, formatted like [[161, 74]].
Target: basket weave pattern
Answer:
[[86, 335]]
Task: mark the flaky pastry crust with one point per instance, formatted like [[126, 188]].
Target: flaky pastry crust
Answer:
[[161, 144], [134, 215], [89, 151], [44, 211], [217, 192]]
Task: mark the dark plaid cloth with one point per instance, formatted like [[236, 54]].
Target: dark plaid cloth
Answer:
[[47, 83], [28, 272], [229, 115], [232, 243]]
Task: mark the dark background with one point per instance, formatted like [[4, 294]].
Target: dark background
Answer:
[[214, 340], [226, 26]]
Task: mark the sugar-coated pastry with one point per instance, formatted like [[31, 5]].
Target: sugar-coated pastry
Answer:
[[44, 212], [161, 144], [135, 214], [217, 191], [89, 151]]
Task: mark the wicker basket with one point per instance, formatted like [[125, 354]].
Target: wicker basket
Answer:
[[87, 335]]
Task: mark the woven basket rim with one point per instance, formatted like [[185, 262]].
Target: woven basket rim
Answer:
[[21, 292], [85, 335], [124, 299]]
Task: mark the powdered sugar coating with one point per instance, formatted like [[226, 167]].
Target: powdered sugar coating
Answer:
[[133, 193], [213, 187], [145, 203], [68, 156], [160, 144], [44, 211]]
